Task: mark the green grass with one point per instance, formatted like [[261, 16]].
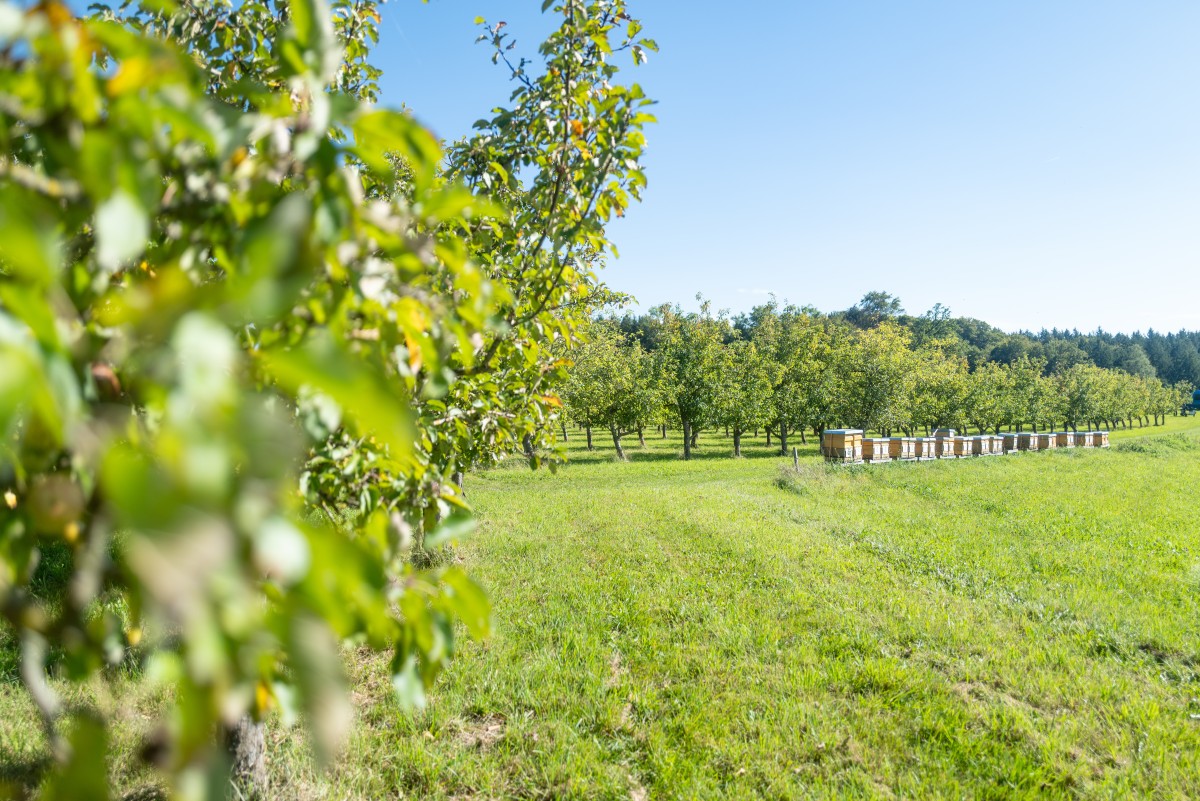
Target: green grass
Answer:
[[1002, 627], [1019, 626]]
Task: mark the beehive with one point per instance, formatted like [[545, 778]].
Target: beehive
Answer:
[[997, 445], [842, 445], [1100, 439], [877, 450], [1083, 439], [926, 448], [1011, 443], [1047, 441], [981, 446], [944, 432], [962, 447], [1065, 439], [944, 445], [902, 448], [1027, 441]]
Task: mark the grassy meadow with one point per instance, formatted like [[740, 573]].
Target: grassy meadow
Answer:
[[1000, 627], [1004, 627]]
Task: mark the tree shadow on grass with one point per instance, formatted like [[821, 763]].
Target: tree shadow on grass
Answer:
[[21, 773], [675, 454], [698, 455]]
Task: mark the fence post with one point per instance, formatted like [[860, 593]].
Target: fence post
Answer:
[[795, 458]]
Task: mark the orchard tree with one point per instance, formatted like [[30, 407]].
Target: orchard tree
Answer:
[[688, 366], [807, 385], [943, 388], [878, 370], [255, 324], [611, 384], [743, 400], [984, 406]]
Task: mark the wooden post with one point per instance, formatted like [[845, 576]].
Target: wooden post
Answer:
[[796, 458]]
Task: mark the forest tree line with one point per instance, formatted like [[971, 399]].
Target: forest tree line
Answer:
[[793, 370]]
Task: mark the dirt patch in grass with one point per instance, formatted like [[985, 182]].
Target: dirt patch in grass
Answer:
[[481, 732]]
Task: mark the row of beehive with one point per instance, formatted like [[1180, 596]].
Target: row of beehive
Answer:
[[850, 446]]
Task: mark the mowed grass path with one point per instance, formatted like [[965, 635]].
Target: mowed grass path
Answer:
[[1004, 627]]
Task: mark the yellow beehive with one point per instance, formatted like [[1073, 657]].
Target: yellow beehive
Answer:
[[1065, 439], [981, 446], [962, 447], [1100, 439], [1047, 441], [842, 445], [1084, 439], [944, 446], [1027, 441], [877, 450], [902, 448], [926, 448]]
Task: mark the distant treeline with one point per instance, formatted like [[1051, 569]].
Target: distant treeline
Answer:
[[792, 369]]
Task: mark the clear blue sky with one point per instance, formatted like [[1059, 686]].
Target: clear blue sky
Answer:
[[1030, 163]]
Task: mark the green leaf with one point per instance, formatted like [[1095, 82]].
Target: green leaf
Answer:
[[382, 132], [469, 602], [85, 776], [407, 684], [455, 527], [32, 247], [376, 407]]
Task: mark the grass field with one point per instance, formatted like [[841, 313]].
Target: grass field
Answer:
[[1003, 627]]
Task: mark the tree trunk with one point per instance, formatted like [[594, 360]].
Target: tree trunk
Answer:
[[783, 439], [803, 441], [246, 745], [617, 442], [642, 436], [695, 435], [768, 436], [563, 423], [589, 436], [527, 442], [457, 478], [687, 440], [664, 436], [737, 441]]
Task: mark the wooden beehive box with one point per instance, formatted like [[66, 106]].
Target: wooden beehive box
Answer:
[[1083, 439], [877, 450], [926, 448], [1065, 439], [902, 448], [1047, 441], [997, 445], [1027, 441], [1011, 443], [944, 446], [1100, 439], [981, 446], [962, 447], [842, 445]]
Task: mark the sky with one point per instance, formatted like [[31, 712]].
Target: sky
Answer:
[[1033, 164]]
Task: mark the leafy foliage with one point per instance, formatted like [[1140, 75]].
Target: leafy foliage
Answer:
[[233, 292], [794, 369]]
